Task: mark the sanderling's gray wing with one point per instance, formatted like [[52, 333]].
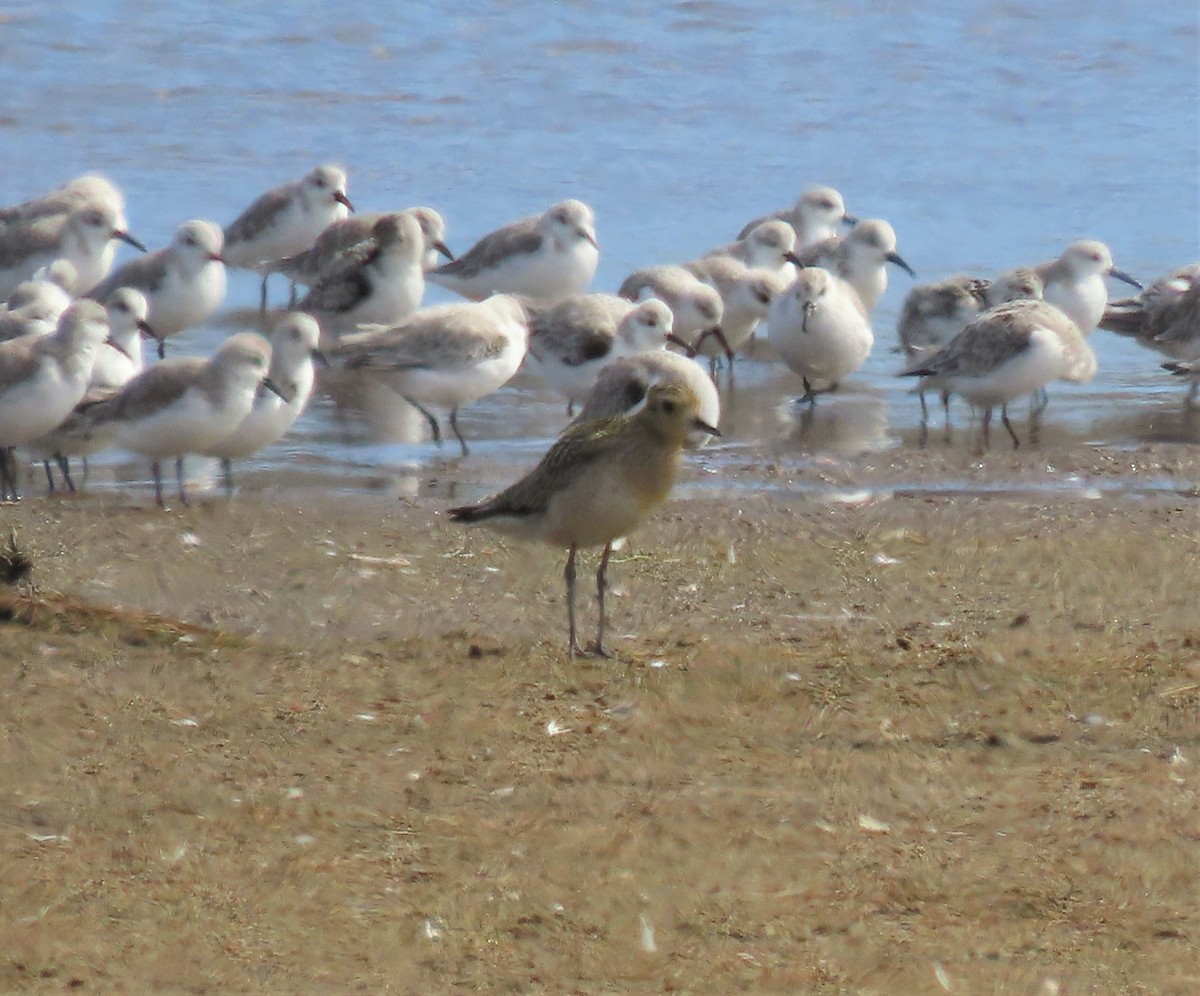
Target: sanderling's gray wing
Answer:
[[339, 291], [521, 238], [153, 389], [426, 346], [143, 273], [260, 215]]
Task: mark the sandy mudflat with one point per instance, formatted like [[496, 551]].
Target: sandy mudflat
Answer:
[[887, 742]]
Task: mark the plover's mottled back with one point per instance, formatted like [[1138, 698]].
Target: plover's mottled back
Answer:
[[447, 357], [183, 283], [84, 237], [817, 215], [819, 327], [377, 282], [548, 257], [598, 482], [860, 257], [1075, 283]]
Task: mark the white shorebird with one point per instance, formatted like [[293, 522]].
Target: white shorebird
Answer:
[[769, 245], [294, 342], [573, 340], [35, 305], [623, 385], [118, 360], [377, 282], [448, 356], [180, 406], [817, 215], [42, 378], [84, 236], [1010, 350], [1075, 281], [696, 307], [746, 295], [545, 257], [820, 329], [933, 314], [286, 220], [599, 481], [183, 283], [859, 257], [91, 190], [308, 267]]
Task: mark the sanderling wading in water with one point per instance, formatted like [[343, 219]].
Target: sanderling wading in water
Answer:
[[379, 281], [447, 356], [184, 283], [1075, 283], [595, 484], [294, 342], [286, 220], [819, 327], [859, 257], [85, 236], [181, 406], [41, 379], [1013, 349], [696, 307], [546, 257]]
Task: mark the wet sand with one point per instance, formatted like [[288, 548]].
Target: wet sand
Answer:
[[859, 735]]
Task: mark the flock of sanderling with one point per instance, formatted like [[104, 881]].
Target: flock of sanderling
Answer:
[[73, 379]]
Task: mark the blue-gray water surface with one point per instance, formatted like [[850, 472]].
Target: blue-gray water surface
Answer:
[[989, 134]]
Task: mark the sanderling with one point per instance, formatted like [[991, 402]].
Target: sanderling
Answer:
[[1012, 349], [118, 360], [183, 283], [84, 236], [286, 220], [1075, 282], [35, 305], [91, 190], [1164, 317], [180, 406], [376, 282], [815, 216], [448, 356], [746, 294], [696, 307], [860, 257], [294, 342], [623, 385], [308, 267], [596, 483], [42, 378], [547, 257], [572, 341], [820, 329], [769, 245], [933, 314]]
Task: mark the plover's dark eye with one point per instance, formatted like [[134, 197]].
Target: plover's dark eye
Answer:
[[669, 407]]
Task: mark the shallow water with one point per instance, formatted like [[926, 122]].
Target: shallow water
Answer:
[[989, 137]]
